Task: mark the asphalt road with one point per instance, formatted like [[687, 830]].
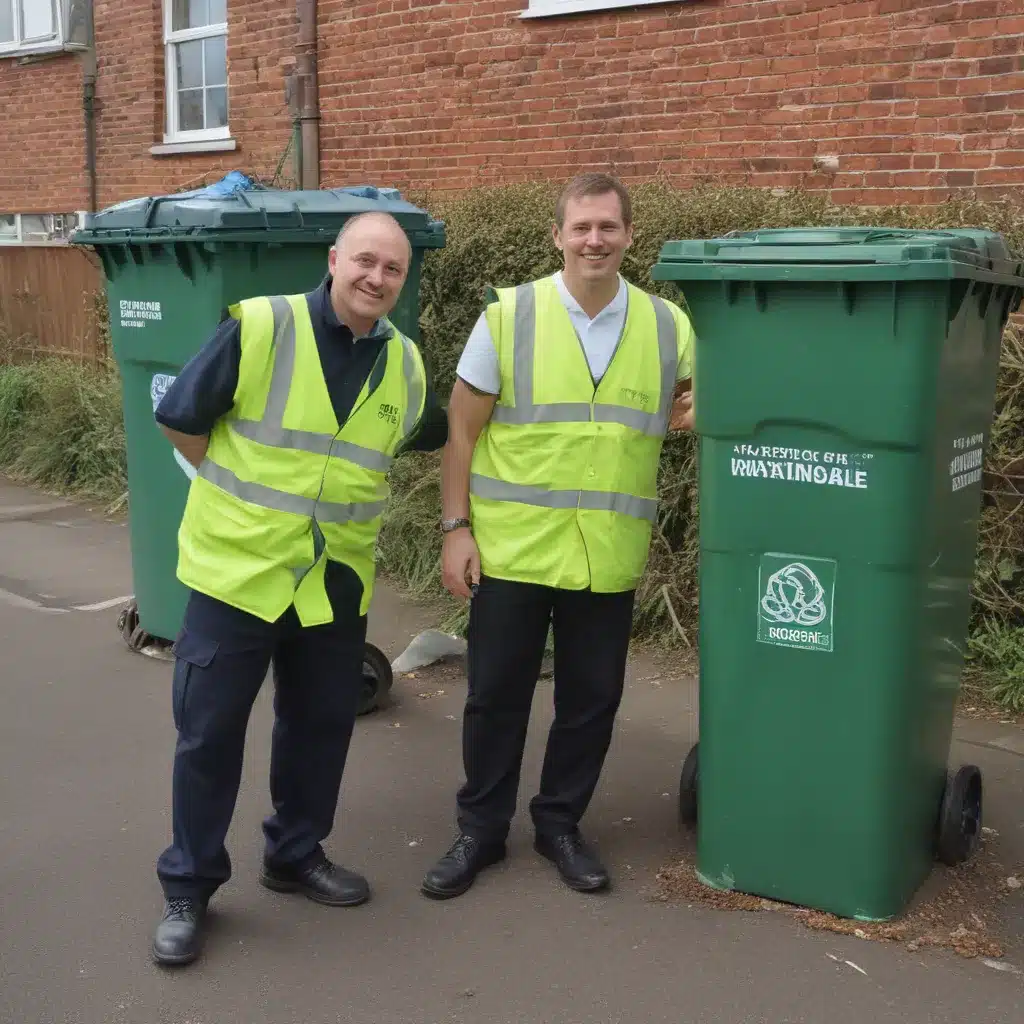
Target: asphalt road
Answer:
[[85, 755]]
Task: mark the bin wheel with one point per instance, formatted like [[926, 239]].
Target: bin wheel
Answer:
[[688, 788], [128, 625], [960, 816], [377, 680]]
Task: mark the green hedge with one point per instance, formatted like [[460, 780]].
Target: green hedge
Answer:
[[60, 425], [502, 236]]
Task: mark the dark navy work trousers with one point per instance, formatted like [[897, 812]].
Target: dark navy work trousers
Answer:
[[222, 658], [508, 627]]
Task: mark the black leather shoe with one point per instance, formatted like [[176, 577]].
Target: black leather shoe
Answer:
[[320, 881], [577, 863], [456, 871], [176, 941]]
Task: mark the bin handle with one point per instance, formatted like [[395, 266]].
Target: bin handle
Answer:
[[871, 236], [877, 236], [245, 199]]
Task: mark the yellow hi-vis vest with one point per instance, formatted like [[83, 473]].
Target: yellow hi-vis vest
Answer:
[[563, 484], [284, 487]]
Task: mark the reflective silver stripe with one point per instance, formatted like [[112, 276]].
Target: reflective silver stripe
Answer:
[[625, 504], [282, 501], [524, 338], [552, 412], [502, 490], [526, 411], [597, 501], [645, 422], [309, 441], [413, 387], [284, 360], [669, 353]]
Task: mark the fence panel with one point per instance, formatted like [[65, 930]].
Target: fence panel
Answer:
[[52, 302]]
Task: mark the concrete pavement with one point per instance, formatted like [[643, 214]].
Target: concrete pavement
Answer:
[[85, 754]]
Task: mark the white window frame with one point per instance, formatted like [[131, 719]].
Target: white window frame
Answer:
[[20, 45], [553, 8], [73, 222], [172, 134]]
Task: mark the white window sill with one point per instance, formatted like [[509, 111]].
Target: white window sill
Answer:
[[203, 146], [33, 50], [33, 243], [554, 8]]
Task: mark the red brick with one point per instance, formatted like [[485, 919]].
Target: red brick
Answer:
[[918, 97]]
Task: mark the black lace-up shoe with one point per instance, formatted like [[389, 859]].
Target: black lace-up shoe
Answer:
[[321, 881], [176, 941], [456, 871], [577, 863]]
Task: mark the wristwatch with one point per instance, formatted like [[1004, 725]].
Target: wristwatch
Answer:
[[448, 525]]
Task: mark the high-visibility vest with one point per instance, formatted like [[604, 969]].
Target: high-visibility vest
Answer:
[[563, 483], [284, 488]]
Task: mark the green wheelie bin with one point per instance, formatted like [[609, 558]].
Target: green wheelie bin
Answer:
[[173, 264], [844, 391]]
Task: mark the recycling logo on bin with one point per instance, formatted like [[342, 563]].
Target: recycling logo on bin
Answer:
[[157, 389], [796, 596]]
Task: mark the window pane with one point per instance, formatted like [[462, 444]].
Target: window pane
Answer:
[[216, 108], [218, 12], [38, 21], [189, 14], [6, 21], [8, 226], [190, 110], [216, 60], [34, 225], [190, 64]]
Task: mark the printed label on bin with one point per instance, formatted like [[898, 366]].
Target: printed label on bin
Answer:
[[802, 465], [157, 389], [967, 464], [137, 313], [795, 601]]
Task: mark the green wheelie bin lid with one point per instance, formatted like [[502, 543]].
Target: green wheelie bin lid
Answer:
[[253, 215], [840, 253]]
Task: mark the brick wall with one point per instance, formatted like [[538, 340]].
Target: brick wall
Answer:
[[43, 143], [130, 96], [42, 137], [914, 96]]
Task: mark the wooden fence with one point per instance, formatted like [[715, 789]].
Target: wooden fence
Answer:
[[52, 302]]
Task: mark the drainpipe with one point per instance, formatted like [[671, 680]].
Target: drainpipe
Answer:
[[308, 96], [89, 110]]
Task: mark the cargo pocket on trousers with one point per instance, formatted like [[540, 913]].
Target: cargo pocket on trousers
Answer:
[[192, 653]]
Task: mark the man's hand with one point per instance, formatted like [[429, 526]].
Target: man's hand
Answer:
[[460, 563], [682, 416]]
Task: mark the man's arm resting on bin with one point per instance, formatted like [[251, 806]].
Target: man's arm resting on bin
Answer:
[[204, 391], [681, 417], [468, 412]]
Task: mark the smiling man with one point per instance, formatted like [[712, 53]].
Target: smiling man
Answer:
[[292, 414], [565, 391]]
